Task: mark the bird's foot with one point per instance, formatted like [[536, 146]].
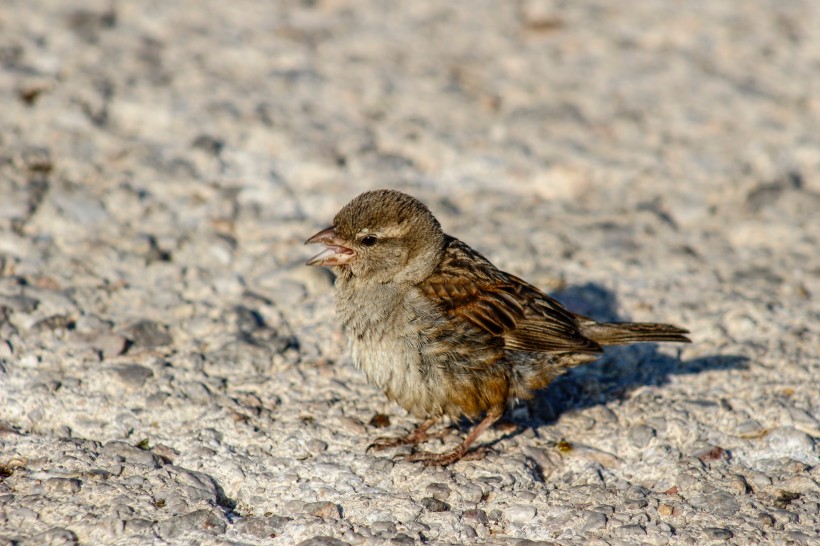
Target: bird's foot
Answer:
[[414, 438], [384, 442], [444, 459]]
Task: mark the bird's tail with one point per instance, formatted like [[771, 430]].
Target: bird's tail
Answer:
[[625, 333]]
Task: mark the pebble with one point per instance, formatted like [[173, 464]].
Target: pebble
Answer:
[[316, 446], [630, 530], [519, 513], [717, 533], [640, 435], [434, 505], [147, 334], [132, 376], [738, 485], [123, 452], [475, 517], [56, 536], [635, 504], [720, 504], [210, 521], [801, 538], [110, 345], [790, 442], [69, 486], [438, 490], [383, 528], [323, 509], [594, 521], [765, 519], [322, 540]]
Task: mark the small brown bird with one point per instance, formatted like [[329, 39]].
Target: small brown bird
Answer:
[[441, 329]]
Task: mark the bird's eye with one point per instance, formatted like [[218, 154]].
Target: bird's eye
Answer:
[[369, 240]]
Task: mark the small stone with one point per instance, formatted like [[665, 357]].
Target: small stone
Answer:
[[327, 510], [438, 490], [471, 492], [132, 376], [785, 516], [56, 536], [147, 333], [475, 516], [137, 525], [196, 392], [712, 453], [686, 482], [635, 504], [751, 429], [123, 452], [267, 527], [759, 480], [630, 530], [664, 529], [605, 509], [434, 505], [665, 510], [63, 485], [720, 503], [295, 507], [20, 303], [210, 521], [637, 492], [51, 323], [594, 521], [352, 425], [383, 527], [738, 485], [322, 540], [792, 443], [765, 519], [801, 538], [165, 452], [110, 345], [316, 446], [519, 513], [800, 484], [640, 435], [717, 533]]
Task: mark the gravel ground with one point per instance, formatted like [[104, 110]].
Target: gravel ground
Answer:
[[170, 372]]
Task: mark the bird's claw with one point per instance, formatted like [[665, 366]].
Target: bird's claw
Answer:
[[444, 459], [380, 444]]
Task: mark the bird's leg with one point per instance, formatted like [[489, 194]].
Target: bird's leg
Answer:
[[443, 459], [413, 438]]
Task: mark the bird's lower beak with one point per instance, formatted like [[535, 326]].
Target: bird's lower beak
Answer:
[[335, 253]]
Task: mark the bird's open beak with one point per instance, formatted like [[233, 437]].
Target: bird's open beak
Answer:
[[335, 253]]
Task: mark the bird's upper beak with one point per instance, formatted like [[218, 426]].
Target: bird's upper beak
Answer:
[[335, 253]]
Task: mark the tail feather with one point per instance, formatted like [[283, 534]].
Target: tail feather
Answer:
[[624, 333]]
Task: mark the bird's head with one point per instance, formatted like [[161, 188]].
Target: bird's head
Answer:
[[384, 236]]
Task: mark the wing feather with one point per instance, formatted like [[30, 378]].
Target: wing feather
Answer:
[[503, 305]]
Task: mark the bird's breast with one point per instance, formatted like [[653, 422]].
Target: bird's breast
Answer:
[[384, 330]]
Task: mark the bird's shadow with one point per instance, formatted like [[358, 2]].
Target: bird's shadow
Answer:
[[619, 371]]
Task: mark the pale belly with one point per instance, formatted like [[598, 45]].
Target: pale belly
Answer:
[[386, 344], [396, 370]]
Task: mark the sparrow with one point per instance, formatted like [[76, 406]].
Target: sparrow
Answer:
[[442, 330]]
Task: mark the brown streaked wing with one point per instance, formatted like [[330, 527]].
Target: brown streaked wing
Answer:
[[468, 287]]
